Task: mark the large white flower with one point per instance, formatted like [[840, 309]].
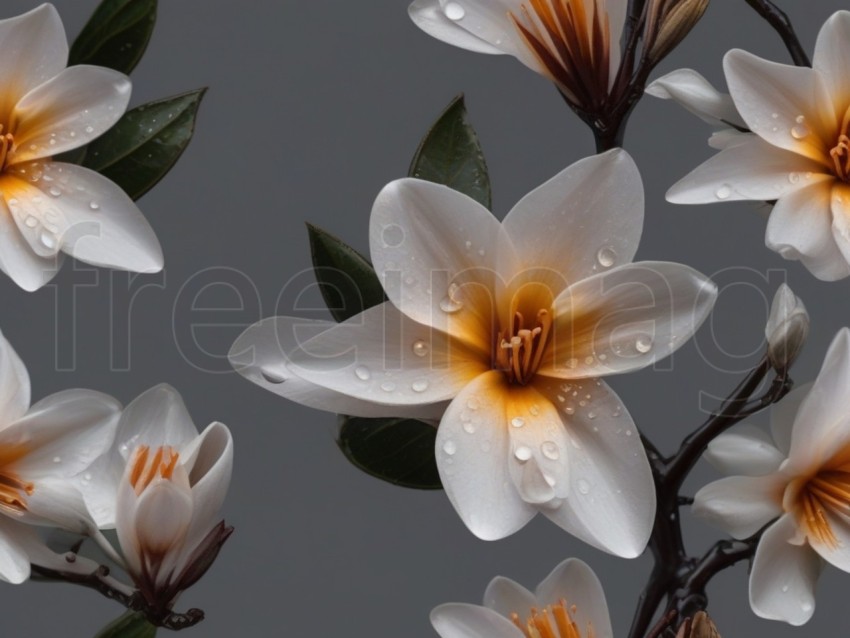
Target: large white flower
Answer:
[[510, 324], [48, 208], [798, 483], [44, 449], [568, 603], [798, 152]]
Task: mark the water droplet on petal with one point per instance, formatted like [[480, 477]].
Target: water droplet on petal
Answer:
[[643, 344], [454, 11], [57, 459], [473, 403], [362, 373], [583, 486], [534, 410], [449, 447], [606, 257], [272, 377], [48, 240], [469, 427], [31, 221], [449, 305], [420, 385], [94, 205], [517, 422], [388, 386], [393, 235], [522, 454], [550, 450], [55, 192], [724, 192], [420, 348]]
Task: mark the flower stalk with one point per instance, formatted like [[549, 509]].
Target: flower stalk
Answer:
[[777, 18]]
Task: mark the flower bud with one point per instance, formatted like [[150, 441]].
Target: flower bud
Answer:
[[787, 328], [700, 626], [676, 23]]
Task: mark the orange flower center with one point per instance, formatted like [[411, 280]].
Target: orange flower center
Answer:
[[519, 350], [147, 466], [554, 621], [13, 489], [840, 153], [7, 146], [828, 492]]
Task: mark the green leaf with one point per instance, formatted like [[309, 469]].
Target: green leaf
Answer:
[[451, 155], [143, 146], [399, 451], [116, 35], [131, 624], [346, 279]]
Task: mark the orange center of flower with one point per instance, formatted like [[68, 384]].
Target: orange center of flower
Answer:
[[840, 153], [828, 492], [519, 350], [147, 466], [7, 145], [13, 490], [572, 44], [554, 621]]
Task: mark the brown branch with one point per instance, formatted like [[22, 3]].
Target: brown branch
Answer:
[[778, 19]]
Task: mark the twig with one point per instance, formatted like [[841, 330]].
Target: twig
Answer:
[[777, 18]]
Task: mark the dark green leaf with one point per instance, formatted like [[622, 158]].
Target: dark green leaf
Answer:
[[131, 624], [450, 154], [143, 146], [116, 35], [399, 451], [347, 280]]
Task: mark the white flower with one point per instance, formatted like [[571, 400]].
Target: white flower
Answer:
[[787, 328], [48, 208], [510, 324], [798, 152], [162, 485], [798, 484], [43, 449], [569, 603]]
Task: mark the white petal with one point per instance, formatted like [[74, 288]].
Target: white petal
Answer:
[[14, 561], [750, 169], [157, 417], [783, 414], [34, 50], [800, 227], [574, 581], [429, 16], [375, 356], [459, 620], [836, 553], [162, 516], [727, 137], [14, 384], [125, 523], [787, 106], [57, 502], [81, 213], [17, 258], [822, 426], [840, 206], [437, 253], [611, 504], [68, 111], [747, 450], [741, 505], [260, 354], [697, 95], [626, 319], [832, 57], [508, 597], [472, 456], [586, 218], [783, 577]]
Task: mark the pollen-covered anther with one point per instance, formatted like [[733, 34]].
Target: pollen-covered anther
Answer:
[[840, 153], [554, 621], [828, 491], [7, 146], [13, 489], [519, 353], [147, 466]]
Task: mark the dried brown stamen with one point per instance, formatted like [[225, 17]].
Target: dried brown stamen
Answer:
[[519, 350]]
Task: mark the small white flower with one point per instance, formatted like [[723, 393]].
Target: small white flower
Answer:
[[797, 153], [499, 331], [797, 484], [569, 603], [48, 208], [787, 328], [44, 450]]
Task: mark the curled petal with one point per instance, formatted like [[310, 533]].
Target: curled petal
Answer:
[[741, 505], [747, 450], [576, 583], [697, 95]]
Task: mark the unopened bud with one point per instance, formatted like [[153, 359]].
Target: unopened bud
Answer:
[[787, 328], [700, 626], [674, 26]]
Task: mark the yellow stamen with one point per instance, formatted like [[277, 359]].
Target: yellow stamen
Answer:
[[146, 468], [519, 354], [13, 489], [554, 621]]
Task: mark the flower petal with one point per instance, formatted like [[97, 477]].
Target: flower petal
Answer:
[[460, 620], [430, 16], [576, 583], [800, 227], [57, 502], [162, 516], [508, 597], [611, 504], [783, 414], [14, 560], [157, 417], [787, 106], [69, 110], [840, 206], [832, 58], [383, 356], [27, 269], [65, 207], [749, 169], [14, 384], [472, 456], [741, 505], [626, 319], [34, 50], [747, 450], [836, 550], [586, 218], [260, 354], [697, 95], [783, 577]]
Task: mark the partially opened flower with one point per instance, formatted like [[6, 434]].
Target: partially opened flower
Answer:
[[568, 603], [787, 328], [49, 207], [509, 325], [44, 449], [797, 484], [798, 152]]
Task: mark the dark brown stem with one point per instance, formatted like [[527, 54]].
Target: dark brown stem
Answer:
[[777, 18]]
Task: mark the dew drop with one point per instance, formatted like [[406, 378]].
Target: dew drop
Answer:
[[534, 410], [31, 221], [591, 415], [606, 256], [388, 386], [550, 450], [89, 129], [522, 454], [55, 192], [48, 239], [420, 348], [517, 422], [572, 363], [793, 177], [454, 11], [628, 432], [643, 344], [420, 385], [583, 486], [473, 403], [94, 205], [362, 373], [570, 410], [449, 447], [724, 192], [272, 377], [449, 305], [393, 235], [57, 459], [468, 244], [469, 427], [785, 588]]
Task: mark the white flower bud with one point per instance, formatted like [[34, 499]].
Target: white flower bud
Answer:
[[787, 328]]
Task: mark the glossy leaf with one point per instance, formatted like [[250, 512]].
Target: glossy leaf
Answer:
[[116, 35], [346, 279], [143, 146], [450, 154], [399, 451], [131, 624]]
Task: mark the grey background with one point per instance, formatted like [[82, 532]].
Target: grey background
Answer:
[[313, 107]]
